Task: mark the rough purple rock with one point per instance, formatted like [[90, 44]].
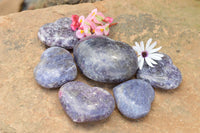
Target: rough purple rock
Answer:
[[83, 103], [105, 60], [134, 98], [164, 75], [58, 34], [56, 67]]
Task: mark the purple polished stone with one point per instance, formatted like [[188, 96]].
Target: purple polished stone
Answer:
[[105, 60], [164, 75], [58, 34], [56, 67], [134, 98], [83, 103]]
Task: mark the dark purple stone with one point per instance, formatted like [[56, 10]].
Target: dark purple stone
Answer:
[[134, 98], [164, 75], [83, 103], [58, 34], [105, 60], [56, 67]]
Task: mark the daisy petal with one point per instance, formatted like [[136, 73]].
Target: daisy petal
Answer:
[[148, 43], [139, 59], [137, 49], [155, 57], [148, 61], [155, 50], [137, 45], [152, 61], [151, 46], [158, 54], [142, 45], [141, 63]]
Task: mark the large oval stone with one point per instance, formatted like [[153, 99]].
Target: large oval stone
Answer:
[[56, 67], [58, 34], [105, 60], [134, 98], [164, 75], [83, 103]]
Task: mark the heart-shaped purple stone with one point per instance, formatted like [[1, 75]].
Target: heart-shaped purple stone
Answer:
[[164, 75], [83, 103]]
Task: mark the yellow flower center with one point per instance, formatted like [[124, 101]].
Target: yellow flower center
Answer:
[[102, 30], [82, 31], [93, 13], [93, 31], [81, 21]]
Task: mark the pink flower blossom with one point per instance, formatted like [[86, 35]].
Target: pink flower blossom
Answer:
[[99, 17], [96, 23], [90, 23], [80, 33], [92, 14], [102, 30], [75, 24], [81, 20], [87, 30], [108, 20], [106, 29]]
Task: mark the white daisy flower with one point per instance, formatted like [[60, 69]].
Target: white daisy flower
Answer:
[[148, 53]]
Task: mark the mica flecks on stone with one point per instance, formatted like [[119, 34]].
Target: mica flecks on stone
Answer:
[[83, 103], [134, 98], [164, 75], [56, 67], [105, 60], [58, 34]]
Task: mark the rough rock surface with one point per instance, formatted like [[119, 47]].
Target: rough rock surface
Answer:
[[134, 98], [83, 103], [34, 4], [165, 75], [105, 60], [58, 34], [56, 67], [10, 6], [25, 107]]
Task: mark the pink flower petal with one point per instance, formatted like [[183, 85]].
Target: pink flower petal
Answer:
[[92, 14], [99, 30], [81, 20], [106, 29], [108, 19], [87, 30], [75, 18], [90, 23], [80, 34]]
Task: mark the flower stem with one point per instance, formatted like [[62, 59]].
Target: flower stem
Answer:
[[112, 24]]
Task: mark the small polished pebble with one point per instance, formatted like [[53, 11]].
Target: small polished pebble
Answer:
[[165, 75], [58, 34], [56, 67], [105, 60], [134, 98], [83, 103]]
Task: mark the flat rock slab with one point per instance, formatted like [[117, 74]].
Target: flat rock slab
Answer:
[[10, 6], [26, 107]]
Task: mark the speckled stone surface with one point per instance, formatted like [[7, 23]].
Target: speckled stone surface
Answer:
[[83, 103], [134, 98], [164, 75], [58, 34], [105, 60], [56, 67]]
